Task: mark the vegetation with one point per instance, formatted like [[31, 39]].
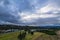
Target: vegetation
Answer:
[[9, 36], [14, 36], [27, 33]]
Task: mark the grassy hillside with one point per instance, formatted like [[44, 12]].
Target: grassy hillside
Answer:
[[35, 36], [14, 36], [9, 36]]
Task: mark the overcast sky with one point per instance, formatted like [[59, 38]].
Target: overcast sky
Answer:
[[30, 12]]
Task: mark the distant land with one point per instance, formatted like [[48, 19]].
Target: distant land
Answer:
[[9, 26]]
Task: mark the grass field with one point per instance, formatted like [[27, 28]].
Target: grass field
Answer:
[[14, 36], [35, 36]]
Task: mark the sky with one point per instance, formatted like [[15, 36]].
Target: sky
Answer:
[[30, 12]]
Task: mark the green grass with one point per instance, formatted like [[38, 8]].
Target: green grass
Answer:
[[14, 35], [32, 37], [9, 36]]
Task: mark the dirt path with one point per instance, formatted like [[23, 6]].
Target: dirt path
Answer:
[[47, 37], [58, 34]]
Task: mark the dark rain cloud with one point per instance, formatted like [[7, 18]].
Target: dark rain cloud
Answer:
[[10, 11]]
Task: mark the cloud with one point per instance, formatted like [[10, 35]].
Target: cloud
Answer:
[[40, 13], [47, 15], [8, 12], [45, 9], [30, 12], [3, 22], [1, 3]]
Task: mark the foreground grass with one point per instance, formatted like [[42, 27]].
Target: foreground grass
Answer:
[[35, 36], [9, 36], [14, 36]]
